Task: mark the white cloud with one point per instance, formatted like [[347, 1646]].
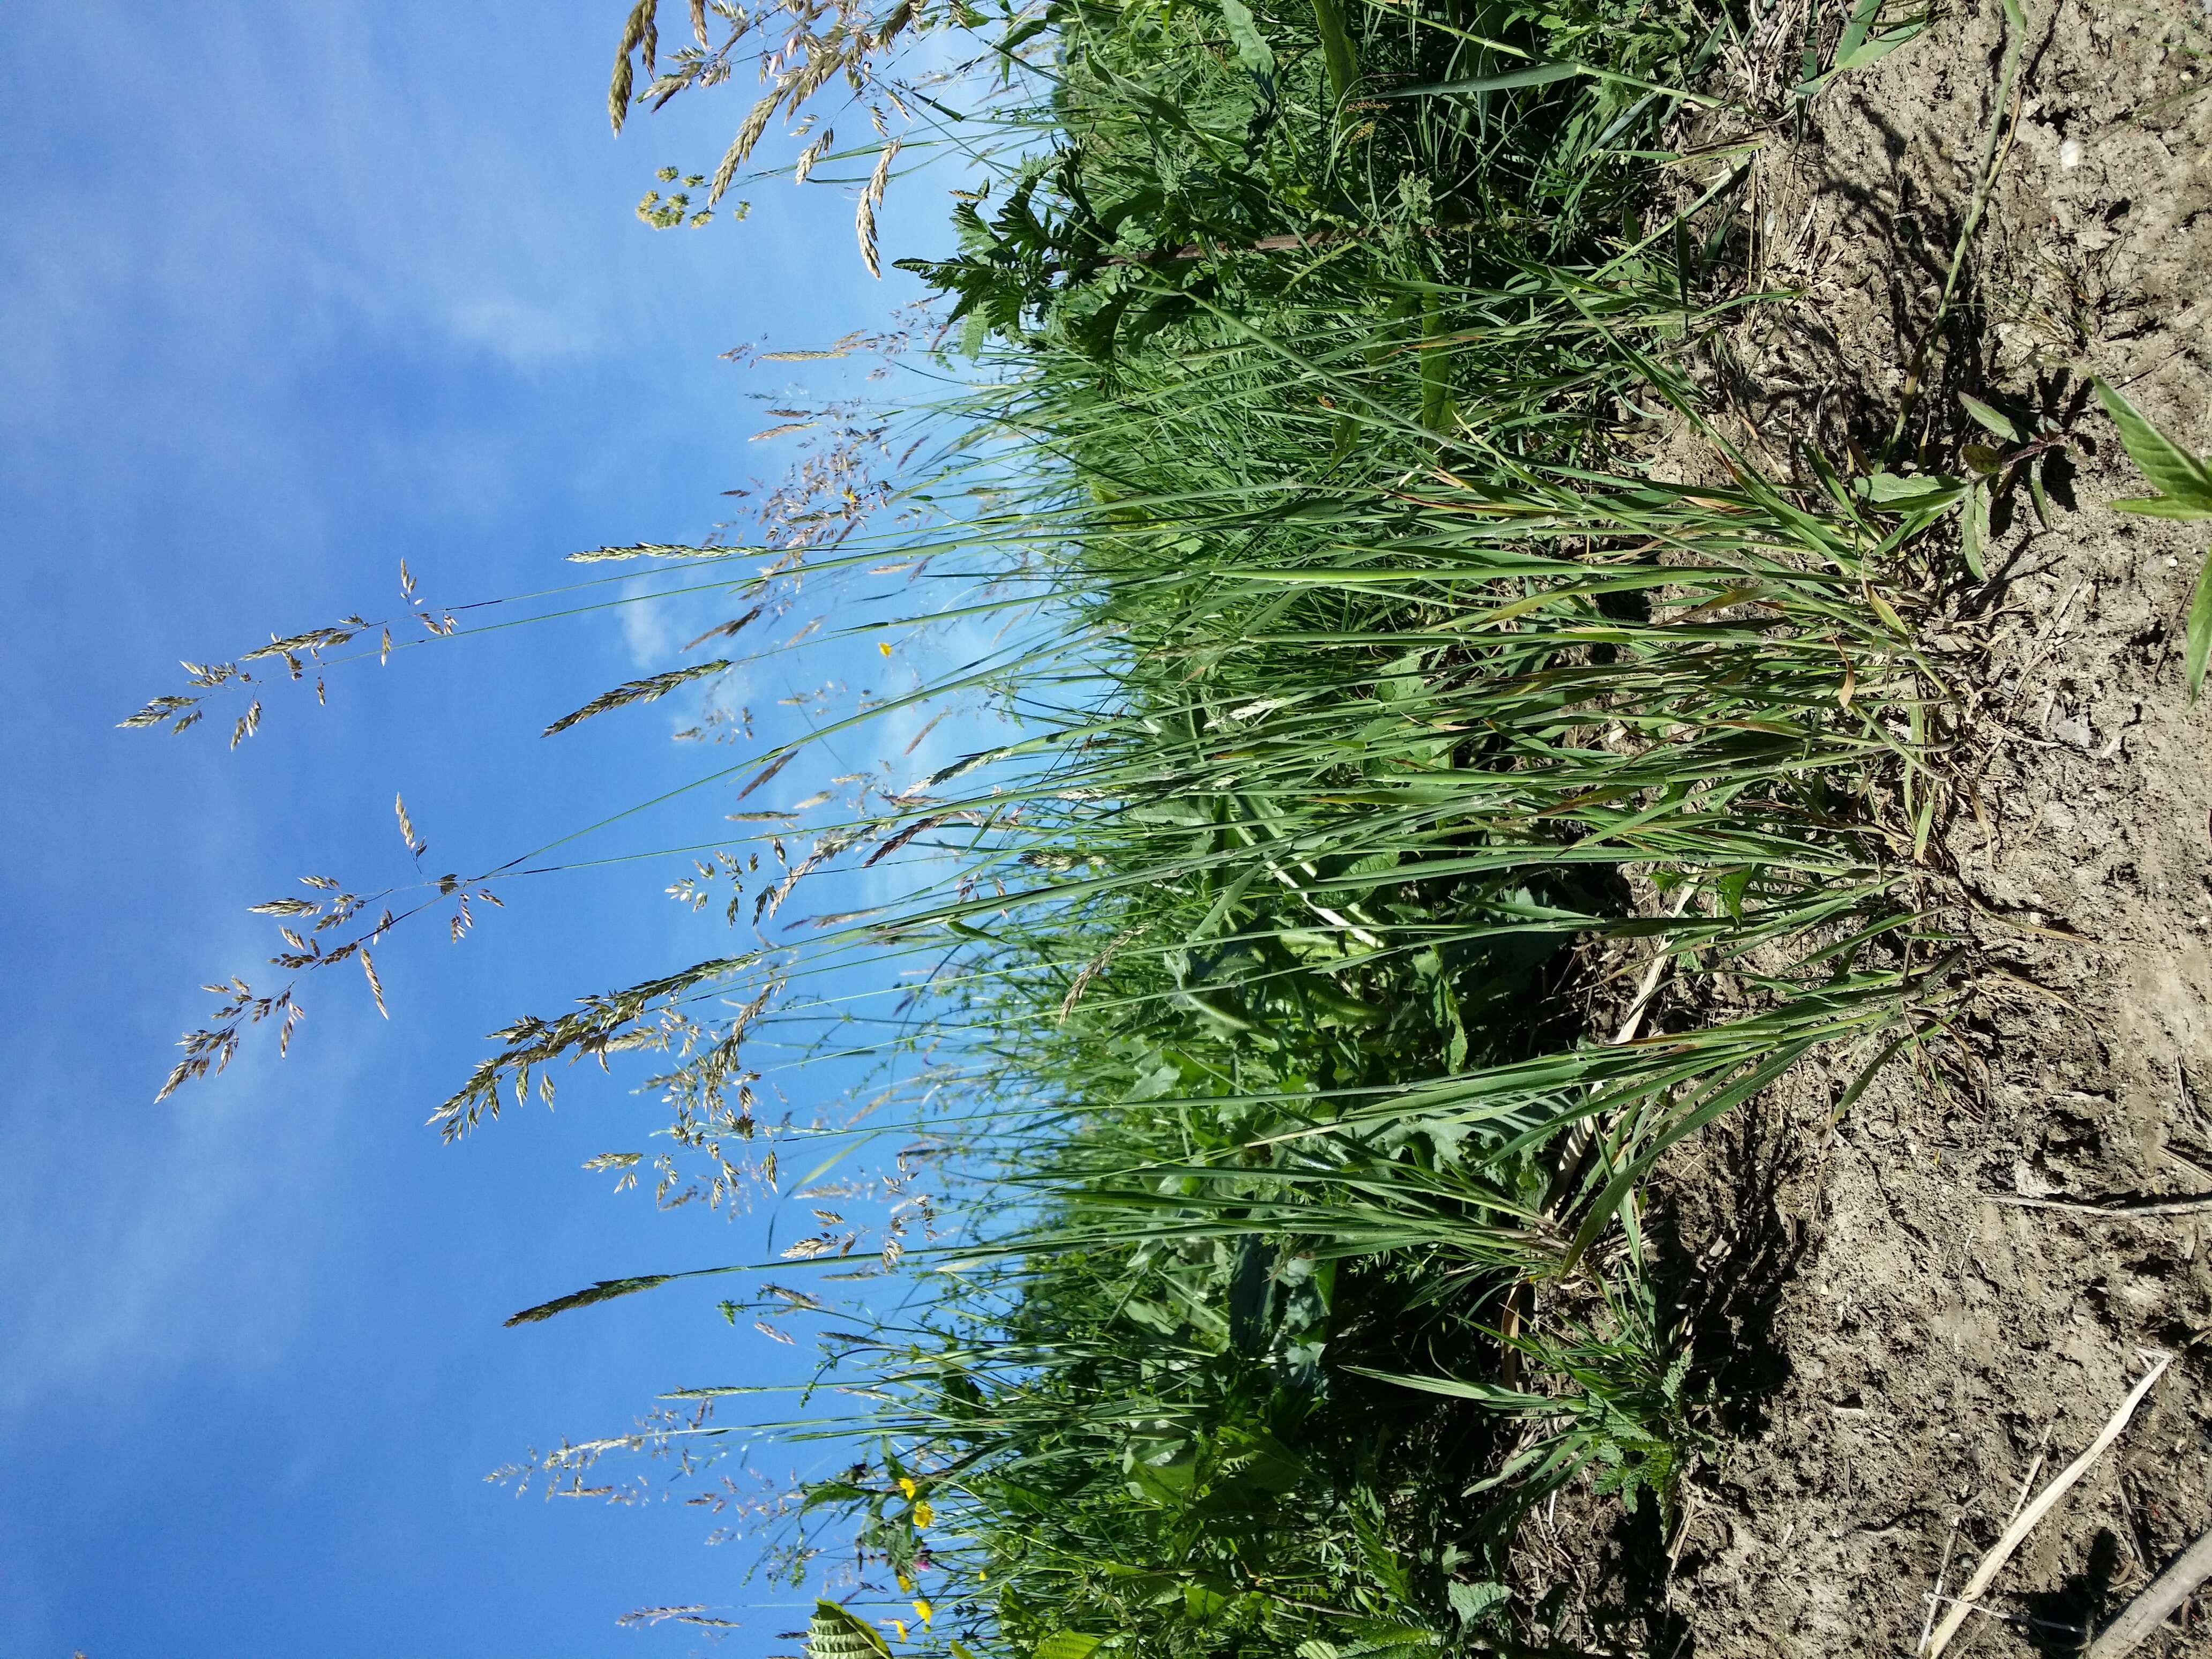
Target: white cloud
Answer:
[[188, 1244]]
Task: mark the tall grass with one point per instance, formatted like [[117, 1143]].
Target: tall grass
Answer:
[[1439, 773]]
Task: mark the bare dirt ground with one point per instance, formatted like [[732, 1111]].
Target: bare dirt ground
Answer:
[[1896, 1350]]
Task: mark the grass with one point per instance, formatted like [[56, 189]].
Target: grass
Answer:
[[1438, 772]]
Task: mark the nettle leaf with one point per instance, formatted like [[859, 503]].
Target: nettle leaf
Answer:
[[835, 1633], [2172, 469]]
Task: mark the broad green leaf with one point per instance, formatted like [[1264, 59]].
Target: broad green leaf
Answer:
[[1974, 531], [1899, 493], [1471, 1601], [1995, 419], [836, 1633], [2171, 469], [2200, 629], [1252, 48], [1983, 458], [2161, 506], [1202, 1602], [1067, 1644]]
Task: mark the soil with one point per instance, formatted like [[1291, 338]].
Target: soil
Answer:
[[1897, 1353]]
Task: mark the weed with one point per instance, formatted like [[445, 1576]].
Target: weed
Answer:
[[1264, 1239]]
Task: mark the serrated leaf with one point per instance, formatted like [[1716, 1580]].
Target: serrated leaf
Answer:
[[1995, 419], [834, 1632], [2171, 469]]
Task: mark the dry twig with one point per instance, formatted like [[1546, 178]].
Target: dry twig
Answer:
[[2017, 1533]]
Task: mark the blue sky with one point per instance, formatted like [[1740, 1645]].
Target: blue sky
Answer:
[[290, 292]]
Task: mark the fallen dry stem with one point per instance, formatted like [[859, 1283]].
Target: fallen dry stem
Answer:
[[2157, 1603], [2196, 1204], [2017, 1533]]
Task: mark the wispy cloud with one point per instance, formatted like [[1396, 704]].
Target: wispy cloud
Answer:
[[190, 1243]]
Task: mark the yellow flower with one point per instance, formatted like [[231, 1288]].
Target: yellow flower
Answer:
[[883, 646], [901, 1625], [906, 1485], [905, 1583], [924, 1513], [923, 1610]]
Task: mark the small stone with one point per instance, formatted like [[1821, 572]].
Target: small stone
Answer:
[[2069, 154]]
